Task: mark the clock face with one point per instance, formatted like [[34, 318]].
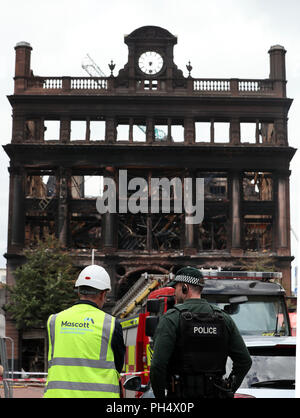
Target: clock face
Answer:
[[151, 62]]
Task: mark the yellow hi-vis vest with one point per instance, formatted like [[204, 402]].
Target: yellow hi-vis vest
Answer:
[[81, 360]]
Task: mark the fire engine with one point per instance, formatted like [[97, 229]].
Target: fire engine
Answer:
[[255, 300]]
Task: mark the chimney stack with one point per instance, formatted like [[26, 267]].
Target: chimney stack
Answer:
[[277, 62], [277, 68], [22, 67]]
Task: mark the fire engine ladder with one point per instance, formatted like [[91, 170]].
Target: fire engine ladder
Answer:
[[137, 293]]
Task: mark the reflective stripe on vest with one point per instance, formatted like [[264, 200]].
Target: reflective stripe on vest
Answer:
[[82, 386], [81, 376]]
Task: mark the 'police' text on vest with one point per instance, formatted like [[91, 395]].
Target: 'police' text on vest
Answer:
[[205, 330]]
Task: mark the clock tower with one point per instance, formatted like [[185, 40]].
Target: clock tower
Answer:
[[150, 56]]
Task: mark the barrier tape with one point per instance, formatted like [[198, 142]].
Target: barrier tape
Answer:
[[131, 373], [33, 380]]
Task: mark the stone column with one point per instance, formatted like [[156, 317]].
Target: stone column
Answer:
[[235, 132], [63, 215], [65, 130], [150, 137], [189, 131], [110, 130], [189, 229], [18, 129], [283, 221], [17, 211], [235, 200], [109, 222]]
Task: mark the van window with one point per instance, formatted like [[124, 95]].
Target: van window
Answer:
[[261, 315]]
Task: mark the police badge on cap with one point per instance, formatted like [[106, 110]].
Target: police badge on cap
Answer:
[[189, 275]]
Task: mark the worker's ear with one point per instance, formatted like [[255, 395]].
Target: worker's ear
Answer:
[[103, 295]]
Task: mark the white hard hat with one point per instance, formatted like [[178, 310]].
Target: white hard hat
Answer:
[[94, 276]]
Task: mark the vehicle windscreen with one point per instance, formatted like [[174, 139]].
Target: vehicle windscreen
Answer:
[[270, 369], [260, 315]]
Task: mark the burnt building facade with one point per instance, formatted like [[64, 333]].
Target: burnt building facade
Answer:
[[150, 122]]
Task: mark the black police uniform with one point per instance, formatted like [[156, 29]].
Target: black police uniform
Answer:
[[191, 346]]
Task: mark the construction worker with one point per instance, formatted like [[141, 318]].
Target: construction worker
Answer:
[[86, 347], [191, 345]]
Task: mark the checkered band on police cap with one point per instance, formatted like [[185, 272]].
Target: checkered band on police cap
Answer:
[[189, 275]]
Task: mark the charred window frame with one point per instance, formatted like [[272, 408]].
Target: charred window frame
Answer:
[[258, 186], [41, 205], [85, 230], [258, 233], [151, 231], [215, 186], [212, 233]]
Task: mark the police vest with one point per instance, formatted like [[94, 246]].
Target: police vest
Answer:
[[202, 346], [81, 360]]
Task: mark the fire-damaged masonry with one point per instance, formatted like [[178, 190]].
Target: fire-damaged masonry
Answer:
[[152, 122]]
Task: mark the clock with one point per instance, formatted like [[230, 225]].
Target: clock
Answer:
[[150, 62]]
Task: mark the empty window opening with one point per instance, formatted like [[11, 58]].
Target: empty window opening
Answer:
[[160, 132], [221, 132], [77, 187], [85, 187], [122, 132], [40, 187], [202, 131], [51, 130], [93, 186], [97, 130], [139, 133], [248, 132], [150, 84], [177, 133], [78, 130]]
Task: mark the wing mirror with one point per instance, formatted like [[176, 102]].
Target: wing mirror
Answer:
[[234, 303], [134, 383]]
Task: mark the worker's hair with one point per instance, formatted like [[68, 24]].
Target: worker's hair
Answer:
[[88, 290]]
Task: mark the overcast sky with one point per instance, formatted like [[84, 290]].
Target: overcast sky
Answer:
[[221, 38]]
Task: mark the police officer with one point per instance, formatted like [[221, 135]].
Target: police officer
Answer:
[[192, 343], [86, 347]]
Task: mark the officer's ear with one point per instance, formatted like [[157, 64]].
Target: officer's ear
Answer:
[[185, 289]]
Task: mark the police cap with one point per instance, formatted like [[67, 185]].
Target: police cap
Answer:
[[189, 275]]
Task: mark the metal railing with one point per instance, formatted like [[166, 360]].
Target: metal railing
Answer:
[[7, 384]]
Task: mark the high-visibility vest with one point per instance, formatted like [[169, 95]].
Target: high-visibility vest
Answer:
[[81, 360]]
